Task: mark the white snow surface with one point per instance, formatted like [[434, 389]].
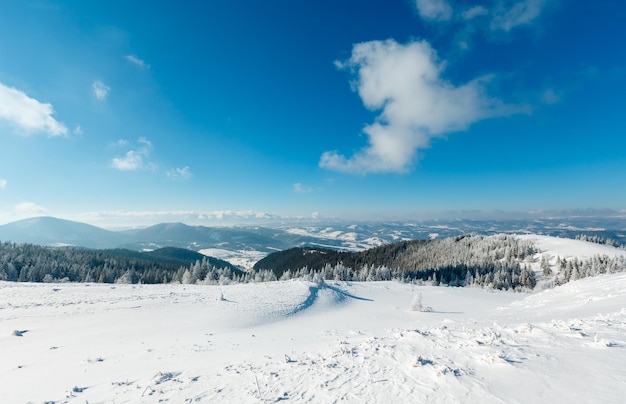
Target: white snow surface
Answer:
[[569, 248], [298, 341]]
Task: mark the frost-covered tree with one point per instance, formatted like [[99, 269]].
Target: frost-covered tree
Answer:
[[416, 303], [545, 266]]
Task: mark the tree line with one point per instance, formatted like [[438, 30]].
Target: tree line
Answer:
[[498, 262], [33, 263], [600, 240], [470, 260]]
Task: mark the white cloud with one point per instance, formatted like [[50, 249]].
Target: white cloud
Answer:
[[137, 159], [179, 173], [474, 12], [504, 15], [126, 219], [550, 97], [132, 160], [137, 62], [30, 208], [302, 188], [27, 113], [78, 130], [146, 144], [120, 143], [3, 183], [100, 90], [507, 17], [404, 82], [436, 10]]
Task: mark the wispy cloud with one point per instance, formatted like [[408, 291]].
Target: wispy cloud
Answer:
[[436, 10], [100, 90], [416, 105], [507, 16], [145, 218], [550, 97], [3, 183], [28, 114], [180, 174], [503, 15], [136, 159], [301, 188], [30, 208], [137, 62], [120, 143], [474, 12], [144, 142]]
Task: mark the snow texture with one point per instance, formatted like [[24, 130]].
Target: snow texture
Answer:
[[316, 342]]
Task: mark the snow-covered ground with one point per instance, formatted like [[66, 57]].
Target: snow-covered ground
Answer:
[[303, 342], [298, 341], [567, 248]]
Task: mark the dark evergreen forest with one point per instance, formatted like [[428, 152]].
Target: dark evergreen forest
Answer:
[[33, 263], [456, 261]]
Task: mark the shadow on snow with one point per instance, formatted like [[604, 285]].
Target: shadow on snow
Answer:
[[338, 296]]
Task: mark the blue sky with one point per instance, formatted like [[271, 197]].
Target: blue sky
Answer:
[[122, 113]]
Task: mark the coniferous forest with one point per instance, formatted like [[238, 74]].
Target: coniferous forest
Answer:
[[33, 263], [498, 262]]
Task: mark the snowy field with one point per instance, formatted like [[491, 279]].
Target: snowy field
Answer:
[[298, 341]]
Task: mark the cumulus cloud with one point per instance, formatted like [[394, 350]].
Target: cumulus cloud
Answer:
[[507, 17], [30, 208], [137, 62], [3, 183], [436, 10], [179, 173], [28, 114], [132, 160], [416, 104], [136, 159], [100, 90], [302, 188]]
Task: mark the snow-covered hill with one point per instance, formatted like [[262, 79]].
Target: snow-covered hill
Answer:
[[555, 249], [318, 342], [306, 342], [567, 248]]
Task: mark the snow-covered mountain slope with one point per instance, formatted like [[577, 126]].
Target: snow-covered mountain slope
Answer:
[[554, 248], [304, 342], [568, 248], [245, 245]]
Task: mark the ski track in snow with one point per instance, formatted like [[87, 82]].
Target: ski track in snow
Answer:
[[304, 342]]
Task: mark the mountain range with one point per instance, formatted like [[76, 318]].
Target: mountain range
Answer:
[[244, 245]]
